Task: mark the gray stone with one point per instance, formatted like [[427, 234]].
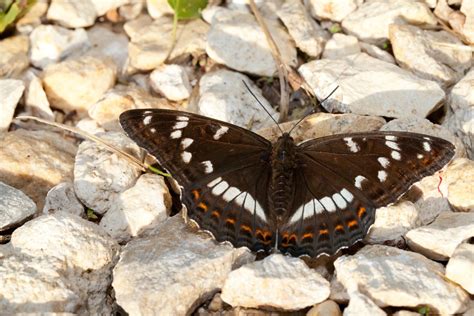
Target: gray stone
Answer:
[[171, 81], [11, 91], [268, 282], [62, 198], [370, 86], [13, 56], [72, 14], [15, 207], [459, 178], [173, 258], [461, 266], [35, 100], [393, 277], [362, 305], [335, 10], [341, 45], [461, 124], [462, 94]]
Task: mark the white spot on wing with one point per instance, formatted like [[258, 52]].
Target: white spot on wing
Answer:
[[186, 156], [328, 204], [208, 166], [383, 162], [392, 145], [221, 131], [382, 175], [253, 206], [180, 125], [347, 195], [220, 188], [419, 156], [231, 194], [214, 182], [390, 137], [351, 144], [176, 134], [339, 200], [358, 181], [182, 118], [426, 146], [153, 130], [147, 120], [396, 155], [186, 142]]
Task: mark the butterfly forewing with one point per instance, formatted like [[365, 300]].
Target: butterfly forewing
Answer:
[[342, 180], [221, 168]]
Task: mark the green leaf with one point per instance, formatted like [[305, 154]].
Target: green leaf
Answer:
[[424, 310], [335, 28], [187, 9], [9, 17], [159, 172], [91, 215]]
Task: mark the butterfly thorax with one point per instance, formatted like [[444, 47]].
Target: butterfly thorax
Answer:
[[283, 166]]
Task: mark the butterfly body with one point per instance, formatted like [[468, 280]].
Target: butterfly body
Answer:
[[311, 198]]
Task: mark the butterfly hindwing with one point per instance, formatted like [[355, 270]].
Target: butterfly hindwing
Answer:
[[342, 179], [221, 168]]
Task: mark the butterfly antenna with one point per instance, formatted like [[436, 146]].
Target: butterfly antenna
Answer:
[[255, 97], [312, 111]]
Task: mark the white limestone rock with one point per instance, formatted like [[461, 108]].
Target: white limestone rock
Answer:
[[376, 52], [223, 96], [171, 81], [35, 161], [362, 305], [72, 14], [325, 124], [83, 256], [421, 52], [106, 43], [461, 266], [119, 99], [308, 35], [393, 277], [150, 41], [90, 126], [62, 198], [370, 22], [392, 222], [461, 124], [36, 102], [102, 6], [467, 8], [11, 91], [158, 8], [334, 10], [460, 184], [144, 205], [100, 175], [132, 9], [236, 40], [369, 86], [341, 45], [328, 307], [15, 207], [268, 282], [77, 84], [439, 239], [52, 43], [13, 55], [172, 259], [461, 95]]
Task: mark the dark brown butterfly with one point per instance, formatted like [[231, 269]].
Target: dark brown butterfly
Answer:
[[311, 198]]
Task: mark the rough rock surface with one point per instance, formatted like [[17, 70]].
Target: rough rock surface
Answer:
[[11, 91], [370, 86], [394, 277], [13, 55], [15, 207], [62, 198], [460, 182], [461, 266], [268, 282], [100, 175], [171, 81], [172, 259]]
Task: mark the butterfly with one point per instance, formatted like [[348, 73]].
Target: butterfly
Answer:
[[311, 198]]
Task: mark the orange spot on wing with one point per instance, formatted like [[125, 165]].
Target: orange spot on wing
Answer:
[[307, 235], [352, 223], [265, 236], [361, 211], [230, 221], [203, 206], [216, 214], [339, 227], [196, 194], [246, 228], [323, 231]]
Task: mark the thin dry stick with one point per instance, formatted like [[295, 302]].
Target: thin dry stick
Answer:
[[282, 69], [91, 137]]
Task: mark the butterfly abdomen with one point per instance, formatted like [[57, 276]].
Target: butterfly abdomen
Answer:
[[283, 166]]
